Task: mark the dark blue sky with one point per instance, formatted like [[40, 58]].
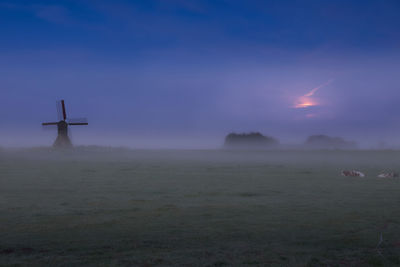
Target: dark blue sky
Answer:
[[186, 72]]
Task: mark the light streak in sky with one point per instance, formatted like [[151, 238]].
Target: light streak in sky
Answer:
[[307, 100]]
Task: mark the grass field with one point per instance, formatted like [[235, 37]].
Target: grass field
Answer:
[[198, 208]]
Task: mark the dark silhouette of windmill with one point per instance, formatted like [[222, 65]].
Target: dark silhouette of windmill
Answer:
[[62, 139]]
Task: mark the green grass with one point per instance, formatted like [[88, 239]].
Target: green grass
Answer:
[[198, 208]]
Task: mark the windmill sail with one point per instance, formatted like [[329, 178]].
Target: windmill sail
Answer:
[[59, 110], [78, 121]]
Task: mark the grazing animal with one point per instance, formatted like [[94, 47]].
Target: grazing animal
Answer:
[[388, 175], [353, 173]]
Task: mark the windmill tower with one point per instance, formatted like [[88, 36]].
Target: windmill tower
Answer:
[[62, 139]]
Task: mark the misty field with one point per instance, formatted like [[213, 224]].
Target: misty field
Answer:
[[105, 207]]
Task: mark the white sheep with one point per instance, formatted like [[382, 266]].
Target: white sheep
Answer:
[[353, 173], [388, 175]]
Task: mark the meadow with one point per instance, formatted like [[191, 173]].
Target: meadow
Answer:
[[112, 207]]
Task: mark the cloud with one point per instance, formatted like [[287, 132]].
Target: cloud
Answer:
[[192, 6], [51, 13], [314, 90], [307, 100]]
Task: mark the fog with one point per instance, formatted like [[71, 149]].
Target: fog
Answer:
[[184, 75], [220, 133], [196, 107]]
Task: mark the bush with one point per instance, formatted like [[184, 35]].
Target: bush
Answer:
[[250, 141]]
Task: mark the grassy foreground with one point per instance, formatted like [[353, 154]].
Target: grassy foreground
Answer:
[[198, 208]]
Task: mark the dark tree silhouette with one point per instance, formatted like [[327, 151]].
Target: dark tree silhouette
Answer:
[[250, 141]]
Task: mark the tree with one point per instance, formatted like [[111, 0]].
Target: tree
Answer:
[[253, 140]]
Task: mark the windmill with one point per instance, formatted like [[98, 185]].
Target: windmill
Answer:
[[62, 139]]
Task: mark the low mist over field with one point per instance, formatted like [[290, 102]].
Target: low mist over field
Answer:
[[199, 133]]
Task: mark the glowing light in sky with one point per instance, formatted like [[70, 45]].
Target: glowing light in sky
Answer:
[[307, 100], [304, 102]]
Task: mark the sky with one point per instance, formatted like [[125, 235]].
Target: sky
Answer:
[[184, 73]]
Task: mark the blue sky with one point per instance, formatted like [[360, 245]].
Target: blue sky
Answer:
[[187, 72]]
